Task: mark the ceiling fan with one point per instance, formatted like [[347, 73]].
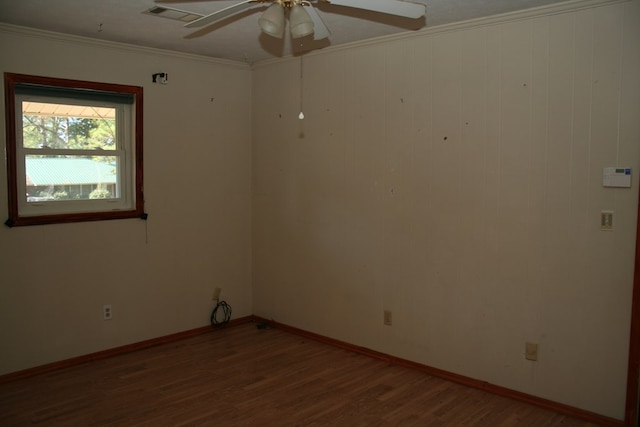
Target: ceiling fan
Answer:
[[304, 20]]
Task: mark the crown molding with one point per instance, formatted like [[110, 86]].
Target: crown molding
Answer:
[[549, 10], [105, 44], [537, 12]]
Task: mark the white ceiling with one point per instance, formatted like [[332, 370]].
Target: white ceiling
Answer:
[[238, 38]]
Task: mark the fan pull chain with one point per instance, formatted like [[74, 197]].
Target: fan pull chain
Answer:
[[301, 115]]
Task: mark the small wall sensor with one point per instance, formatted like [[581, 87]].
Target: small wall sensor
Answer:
[[162, 78]]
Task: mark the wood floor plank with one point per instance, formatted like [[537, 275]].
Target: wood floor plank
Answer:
[[244, 376]]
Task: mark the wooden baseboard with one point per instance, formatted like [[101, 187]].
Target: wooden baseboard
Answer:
[[117, 350], [450, 376]]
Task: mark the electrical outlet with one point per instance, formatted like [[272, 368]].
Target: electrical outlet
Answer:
[[216, 294], [531, 351], [606, 220], [107, 312], [387, 317]]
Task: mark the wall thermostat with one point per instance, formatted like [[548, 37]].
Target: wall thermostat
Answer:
[[616, 177]]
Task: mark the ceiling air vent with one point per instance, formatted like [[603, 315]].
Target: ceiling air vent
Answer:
[[175, 14]]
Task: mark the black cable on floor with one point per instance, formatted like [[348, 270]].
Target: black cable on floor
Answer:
[[221, 310]]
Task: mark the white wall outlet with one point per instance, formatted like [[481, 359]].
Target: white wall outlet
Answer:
[[107, 312], [387, 317], [216, 294], [531, 351]]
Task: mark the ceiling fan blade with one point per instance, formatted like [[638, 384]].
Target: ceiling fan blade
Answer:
[[320, 30], [390, 7], [223, 13]]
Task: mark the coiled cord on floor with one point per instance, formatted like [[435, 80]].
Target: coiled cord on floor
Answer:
[[222, 309]]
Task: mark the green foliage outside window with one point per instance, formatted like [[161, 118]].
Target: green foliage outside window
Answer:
[[74, 133], [100, 193]]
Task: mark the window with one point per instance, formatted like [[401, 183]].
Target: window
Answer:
[[74, 150]]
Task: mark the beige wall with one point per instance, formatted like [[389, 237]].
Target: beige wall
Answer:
[[454, 178], [158, 275]]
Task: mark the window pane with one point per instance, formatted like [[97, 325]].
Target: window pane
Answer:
[[73, 150], [66, 126], [55, 178]]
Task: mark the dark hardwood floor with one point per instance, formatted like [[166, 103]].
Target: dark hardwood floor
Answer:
[[243, 376]]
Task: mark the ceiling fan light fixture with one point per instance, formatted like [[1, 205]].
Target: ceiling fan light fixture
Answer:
[[272, 21], [300, 22]]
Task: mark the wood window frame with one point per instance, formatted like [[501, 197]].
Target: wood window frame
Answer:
[[135, 178]]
